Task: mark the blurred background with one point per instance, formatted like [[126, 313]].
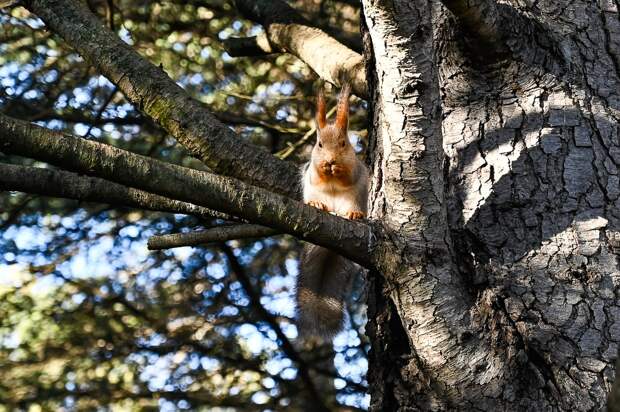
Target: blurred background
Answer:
[[92, 320]]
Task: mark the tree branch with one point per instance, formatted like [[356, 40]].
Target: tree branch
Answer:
[[248, 46], [93, 121], [77, 117], [60, 183], [285, 343], [231, 118], [260, 46], [155, 94], [288, 31], [215, 234], [231, 196]]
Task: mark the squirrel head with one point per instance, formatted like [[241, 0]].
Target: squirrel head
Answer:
[[333, 155]]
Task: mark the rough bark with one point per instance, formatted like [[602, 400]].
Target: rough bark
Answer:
[[613, 400], [532, 194], [227, 195], [451, 361]]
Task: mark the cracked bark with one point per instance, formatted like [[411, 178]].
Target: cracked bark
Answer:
[[450, 360], [530, 272]]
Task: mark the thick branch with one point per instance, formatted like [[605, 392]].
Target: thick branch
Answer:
[[260, 46], [231, 196], [288, 31], [215, 234], [156, 95], [60, 183]]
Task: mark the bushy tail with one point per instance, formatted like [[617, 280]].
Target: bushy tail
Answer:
[[322, 286]]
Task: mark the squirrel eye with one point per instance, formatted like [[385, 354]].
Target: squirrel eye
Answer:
[[320, 145], [342, 144]]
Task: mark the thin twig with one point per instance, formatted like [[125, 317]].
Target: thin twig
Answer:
[[286, 152], [214, 234]]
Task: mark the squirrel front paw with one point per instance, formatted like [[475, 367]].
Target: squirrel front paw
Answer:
[[318, 205], [354, 215]]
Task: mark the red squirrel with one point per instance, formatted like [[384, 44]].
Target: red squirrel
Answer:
[[334, 181]]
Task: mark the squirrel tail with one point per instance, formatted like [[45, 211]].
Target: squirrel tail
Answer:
[[322, 286]]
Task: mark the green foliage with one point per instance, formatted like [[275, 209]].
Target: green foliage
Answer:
[[89, 319]]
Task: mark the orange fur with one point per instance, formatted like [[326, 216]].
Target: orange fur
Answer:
[[334, 181], [318, 205], [355, 215], [334, 175], [342, 115], [320, 110]]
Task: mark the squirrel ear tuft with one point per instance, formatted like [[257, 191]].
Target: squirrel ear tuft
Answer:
[[320, 110], [342, 115]]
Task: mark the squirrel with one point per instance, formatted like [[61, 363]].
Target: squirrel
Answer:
[[334, 180]]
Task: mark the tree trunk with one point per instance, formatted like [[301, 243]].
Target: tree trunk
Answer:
[[495, 174], [495, 146]]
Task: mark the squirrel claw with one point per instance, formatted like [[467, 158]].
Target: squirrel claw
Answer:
[[318, 205], [354, 215]]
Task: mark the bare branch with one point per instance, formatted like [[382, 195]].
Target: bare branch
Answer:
[[231, 118], [214, 234], [288, 31], [290, 149], [285, 343], [248, 46], [231, 196], [224, 117], [60, 183], [260, 46], [156, 95], [90, 120]]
